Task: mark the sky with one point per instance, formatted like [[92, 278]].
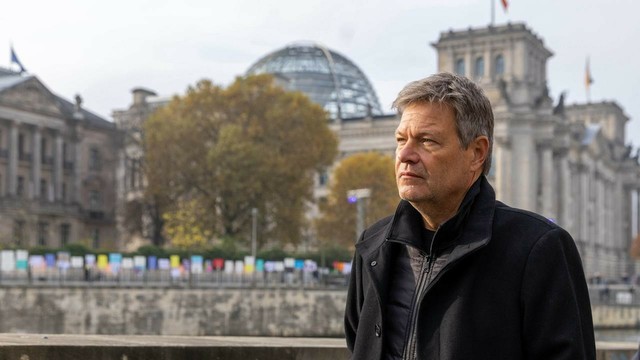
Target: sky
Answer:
[[103, 49]]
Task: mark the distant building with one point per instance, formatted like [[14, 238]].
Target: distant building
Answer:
[[137, 217], [57, 168]]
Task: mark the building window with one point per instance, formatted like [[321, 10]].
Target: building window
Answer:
[[65, 231], [323, 178], [460, 66], [95, 236], [18, 233], [20, 186], [44, 190], [64, 192], [94, 159], [499, 65], [43, 229], [479, 67], [64, 151], [95, 200]]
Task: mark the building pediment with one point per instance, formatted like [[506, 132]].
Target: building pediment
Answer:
[[32, 96]]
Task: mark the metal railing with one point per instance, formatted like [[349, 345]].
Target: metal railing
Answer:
[[323, 278]]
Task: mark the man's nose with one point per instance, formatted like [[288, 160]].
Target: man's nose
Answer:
[[407, 153]]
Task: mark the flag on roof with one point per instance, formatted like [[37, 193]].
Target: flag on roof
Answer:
[[505, 4], [588, 80], [14, 60]]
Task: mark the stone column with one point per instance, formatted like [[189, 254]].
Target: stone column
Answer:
[[524, 164], [58, 168], [584, 205], [77, 176], [637, 212], [502, 166], [36, 162], [12, 173], [548, 186], [566, 200]]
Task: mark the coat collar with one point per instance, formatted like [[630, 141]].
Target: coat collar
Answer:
[[470, 228]]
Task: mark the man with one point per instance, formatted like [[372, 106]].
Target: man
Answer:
[[455, 274]]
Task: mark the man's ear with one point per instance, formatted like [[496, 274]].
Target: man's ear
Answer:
[[480, 150]]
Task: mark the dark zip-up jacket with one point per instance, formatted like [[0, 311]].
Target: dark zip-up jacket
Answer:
[[509, 285]]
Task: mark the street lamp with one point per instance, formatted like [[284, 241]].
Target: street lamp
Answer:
[[359, 197], [254, 231]]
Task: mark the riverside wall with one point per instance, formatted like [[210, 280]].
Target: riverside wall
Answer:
[[283, 312]]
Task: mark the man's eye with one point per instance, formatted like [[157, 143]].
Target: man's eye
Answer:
[[427, 140]]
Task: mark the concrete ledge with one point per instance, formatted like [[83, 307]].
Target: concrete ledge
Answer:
[[97, 347], [117, 347]]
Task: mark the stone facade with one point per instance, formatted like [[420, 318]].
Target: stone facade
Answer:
[[568, 163], [57, 168], [135, 216]]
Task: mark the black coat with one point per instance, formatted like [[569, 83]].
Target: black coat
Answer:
[[512, 288]]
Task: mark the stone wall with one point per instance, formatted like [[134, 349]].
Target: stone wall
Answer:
[[199, 312], [171, 311]]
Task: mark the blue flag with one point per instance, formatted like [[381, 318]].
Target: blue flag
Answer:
[[14, 59]]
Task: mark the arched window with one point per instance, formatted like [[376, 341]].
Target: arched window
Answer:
[[460, 66], [479, 67], [499, 65]]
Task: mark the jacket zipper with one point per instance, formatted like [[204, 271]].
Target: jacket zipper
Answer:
[[423, 282]]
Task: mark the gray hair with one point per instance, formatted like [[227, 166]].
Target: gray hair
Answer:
[[474, 116]]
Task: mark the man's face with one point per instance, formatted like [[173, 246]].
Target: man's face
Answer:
[[433, 171]]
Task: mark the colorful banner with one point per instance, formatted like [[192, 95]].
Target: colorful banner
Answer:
[[103, 262], [164, 264], [249, 264], [90, 261], [218, 264], [22, 260], [239, 267], [228, 267], [7, 260], [127, 263], [152, 262], [64, 260], [77, 262], [139, 262], [197, 264], [175, 261]]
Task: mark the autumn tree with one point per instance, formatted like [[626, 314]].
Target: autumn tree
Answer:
[[252, 144], [371, 170]]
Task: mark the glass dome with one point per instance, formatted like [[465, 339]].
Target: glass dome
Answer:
[[328, 78]]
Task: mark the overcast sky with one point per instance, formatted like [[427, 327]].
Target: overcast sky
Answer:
[[103, 49]]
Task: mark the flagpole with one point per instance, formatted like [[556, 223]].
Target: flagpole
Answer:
[[493, 11]]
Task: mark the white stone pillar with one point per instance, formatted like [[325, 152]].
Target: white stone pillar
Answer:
[[566, 200], [502, 165], [584, 206], [523, 168], [58, 168], [12, 175], [548, 185], [637, 212], [77, 174], [36, 162]]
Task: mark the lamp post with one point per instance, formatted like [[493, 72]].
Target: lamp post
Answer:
[[359, 197], [254, 231]]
